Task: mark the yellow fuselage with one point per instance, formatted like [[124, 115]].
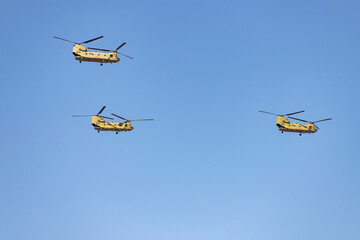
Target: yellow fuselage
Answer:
[[285, 126], [100, 125], [80, 52]]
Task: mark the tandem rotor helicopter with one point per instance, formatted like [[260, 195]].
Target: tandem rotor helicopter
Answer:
[[80, 52], [285, 126], [100, 125]]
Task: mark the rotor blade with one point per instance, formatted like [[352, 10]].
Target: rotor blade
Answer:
[[293, 113], [120, 46], [125, 55], [64, 39], [82, 115], [120, 117], [304, 126], [323, 120], [101, 110], [111, 125], [269, 113], [141, 120], [92, 40], [106, 117], [316, 127], [298, 119], [105, 50]]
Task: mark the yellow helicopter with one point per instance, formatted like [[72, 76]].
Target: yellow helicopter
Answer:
[[100, 125], [80, 52], [285, 126]]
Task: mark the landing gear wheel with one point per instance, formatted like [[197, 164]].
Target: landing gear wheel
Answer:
[[300, 134], [282, 131], [101, 64], [79, 61], [98, 131], [117, 132]]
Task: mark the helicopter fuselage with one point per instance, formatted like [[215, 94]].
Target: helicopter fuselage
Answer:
[[81, 54], [100, 125], [285, 126]]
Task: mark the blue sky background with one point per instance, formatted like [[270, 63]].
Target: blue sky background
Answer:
[[210, 166]]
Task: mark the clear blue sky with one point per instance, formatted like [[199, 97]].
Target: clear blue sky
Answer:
[[210, 166]]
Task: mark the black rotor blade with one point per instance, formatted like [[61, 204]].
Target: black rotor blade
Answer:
[[141, 120], [120, 117], [101, 110], [120, 46], [105, 50], [111, 125], [293, 113], [92, 40], [125, 55], [304, 126], [316, 127], [269, 113], [106, 117], [65, 40], [82, 115], [323, 120], [298, 119]]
